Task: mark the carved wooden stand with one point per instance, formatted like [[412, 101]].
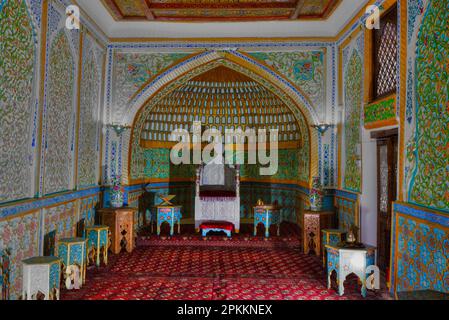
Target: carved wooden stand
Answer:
[[121, 224]]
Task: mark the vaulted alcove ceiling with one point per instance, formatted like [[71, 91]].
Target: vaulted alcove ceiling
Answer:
[[221, 98], [213, 10]]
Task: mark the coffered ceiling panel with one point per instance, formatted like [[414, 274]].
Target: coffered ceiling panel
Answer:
[[219, 10]]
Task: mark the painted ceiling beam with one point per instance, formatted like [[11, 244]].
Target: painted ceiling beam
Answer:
[[298, 9], [220, 6], [146, 9], [113, 6]]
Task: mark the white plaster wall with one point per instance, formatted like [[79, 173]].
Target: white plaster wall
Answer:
[[368, 198]]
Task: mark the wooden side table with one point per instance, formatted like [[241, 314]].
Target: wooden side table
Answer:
[[121, 224], [313, 223], [267, 215]]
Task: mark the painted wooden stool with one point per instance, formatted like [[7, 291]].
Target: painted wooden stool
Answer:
[[97, 244], [267, 215], [330, 237], [41, 278], [171, 215], [73, 254], [217, 226], [344, 261]]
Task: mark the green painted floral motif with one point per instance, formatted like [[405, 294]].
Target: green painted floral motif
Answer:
[[58, 158], [132, 70], [157, 163], [90, 91], [353, 104], [305, 69], [288, 167], [430, 182], [158, 166], [17, 62], [384, 110]]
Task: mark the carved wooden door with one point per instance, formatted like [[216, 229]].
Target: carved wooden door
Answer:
[[387, 153]]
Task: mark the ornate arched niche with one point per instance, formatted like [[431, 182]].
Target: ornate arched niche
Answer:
[[233, 74]]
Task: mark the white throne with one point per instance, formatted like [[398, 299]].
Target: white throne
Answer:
[[217, 194]]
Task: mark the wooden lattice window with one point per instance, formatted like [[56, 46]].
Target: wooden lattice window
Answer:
[[385, 55]]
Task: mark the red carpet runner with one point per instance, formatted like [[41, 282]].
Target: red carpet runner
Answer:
[[200, 270]]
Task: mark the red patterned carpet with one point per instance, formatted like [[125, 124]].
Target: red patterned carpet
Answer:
[[202, 270]]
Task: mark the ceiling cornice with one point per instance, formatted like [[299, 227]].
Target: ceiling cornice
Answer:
[[150, 31]]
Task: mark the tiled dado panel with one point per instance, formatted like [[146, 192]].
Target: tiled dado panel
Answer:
[[20, 234], [134, 200], [24, 225], [290, 198], [347, 206], [420, 249]]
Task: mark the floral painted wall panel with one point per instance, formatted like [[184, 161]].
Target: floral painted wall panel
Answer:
[[63, 219], [21, 236], [60, 106], [88, 152], [157, 163], [428, 94], [18, 52], [422, 255], [132, 70], [88, 208], [134, 199], [306, 69], [353, 104], [288, 167], [289, 200], [158, 166]]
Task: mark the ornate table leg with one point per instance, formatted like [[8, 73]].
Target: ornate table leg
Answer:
[[255, 228], [364, 288], [105, 256], [172, 227], [179, 226], [97, 254], [279, 229], [267, 229], [158, 228], [341, 286]]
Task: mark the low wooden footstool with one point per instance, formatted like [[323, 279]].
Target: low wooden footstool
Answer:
[[224, 226]]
